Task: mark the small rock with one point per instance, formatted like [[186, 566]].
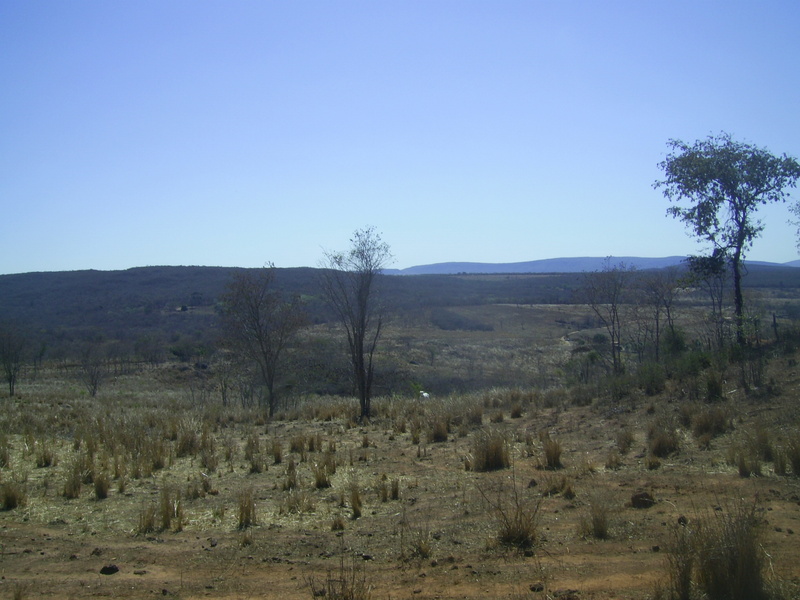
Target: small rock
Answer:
[[109, 570]]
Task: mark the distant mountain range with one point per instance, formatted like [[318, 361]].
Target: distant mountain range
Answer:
[[556, 265]]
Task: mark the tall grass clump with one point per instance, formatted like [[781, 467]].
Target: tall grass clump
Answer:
[[730, 561], [596, 522], [12, 495], [551, 449], [247, 509], [662, 438], [490, 451], [719, 558]]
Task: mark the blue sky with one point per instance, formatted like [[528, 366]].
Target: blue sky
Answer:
[[237, 133]]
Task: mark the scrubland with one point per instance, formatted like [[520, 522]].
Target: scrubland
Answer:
[[678, 485]]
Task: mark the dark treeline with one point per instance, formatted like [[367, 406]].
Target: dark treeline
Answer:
[[166, 301]]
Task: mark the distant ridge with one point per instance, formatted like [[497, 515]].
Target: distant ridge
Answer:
[[555, 265]]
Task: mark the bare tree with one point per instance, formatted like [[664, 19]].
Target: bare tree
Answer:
[[349, 283], [12, 348], [604, 292], [261, 324], [713, 273], [659, 292], [93, 368]]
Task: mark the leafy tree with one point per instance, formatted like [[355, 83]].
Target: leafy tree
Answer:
[[350, 285], [724, 182], [260, 323], [12, 348]]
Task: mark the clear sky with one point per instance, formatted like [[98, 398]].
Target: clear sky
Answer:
[[241, 132]]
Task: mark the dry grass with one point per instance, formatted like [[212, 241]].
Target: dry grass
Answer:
[[596, 521], [246, 509], [490, 451], [517, 516], [551, 451], [12, 495], [134, 442]]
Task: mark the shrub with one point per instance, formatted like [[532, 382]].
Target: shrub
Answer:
[[714, 389], [651, 378], [490, 452]]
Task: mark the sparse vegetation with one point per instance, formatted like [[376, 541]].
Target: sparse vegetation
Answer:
[[160, 466]]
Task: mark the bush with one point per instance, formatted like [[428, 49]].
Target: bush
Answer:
[[652, 378], [714, 390]]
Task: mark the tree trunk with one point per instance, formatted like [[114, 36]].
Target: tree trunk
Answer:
[[738, 300]]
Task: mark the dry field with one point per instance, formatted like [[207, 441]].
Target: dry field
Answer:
[[146, 491]]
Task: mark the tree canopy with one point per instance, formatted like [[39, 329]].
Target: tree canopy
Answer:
[[717, 185]]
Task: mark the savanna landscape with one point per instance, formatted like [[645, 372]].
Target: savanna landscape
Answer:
[[504, 455]]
